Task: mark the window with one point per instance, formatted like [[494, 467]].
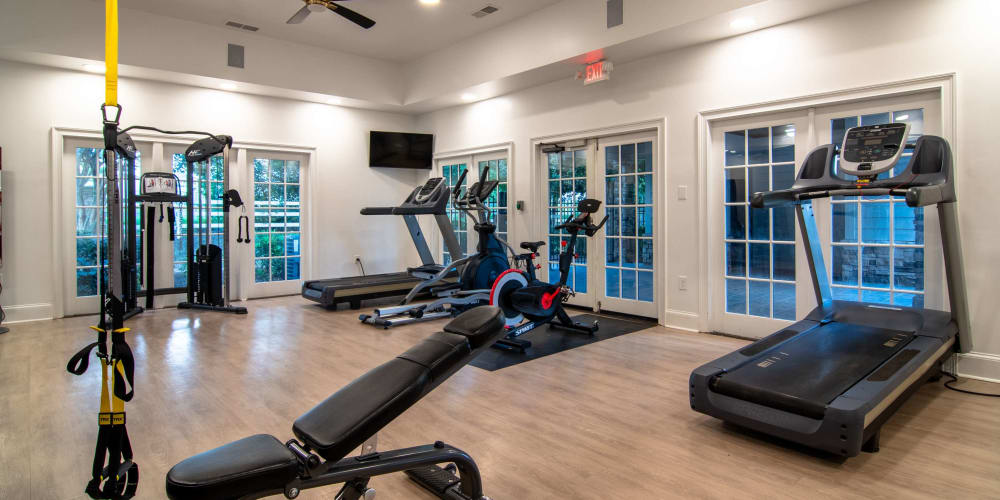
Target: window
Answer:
[[277, 220], [628, 196], [459, 224], [760, 243], [91, 248], [567, 174], [877, 242], [213, 187], [497, 200]]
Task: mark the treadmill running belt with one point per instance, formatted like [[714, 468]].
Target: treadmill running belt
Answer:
[[810, 370]]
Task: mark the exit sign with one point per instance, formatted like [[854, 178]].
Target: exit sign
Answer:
[[596, 72]]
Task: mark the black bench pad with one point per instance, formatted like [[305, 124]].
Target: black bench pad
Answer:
[[346, 419], [253, 464]]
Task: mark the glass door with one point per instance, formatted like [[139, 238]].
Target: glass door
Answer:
[[278, 184], [879, 249], [755, 263], [626, 166], [568, 180], [84, 199], [451, 169]]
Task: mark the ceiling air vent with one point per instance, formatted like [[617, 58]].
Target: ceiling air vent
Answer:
[[241, 26], [485, 11]]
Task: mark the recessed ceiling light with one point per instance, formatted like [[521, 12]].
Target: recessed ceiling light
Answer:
[[94, 68], [468, 97], [430, 2], [742, 23], [227, 86], [334, 101]]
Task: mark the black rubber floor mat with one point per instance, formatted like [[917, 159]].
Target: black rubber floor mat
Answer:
[[546, 341]]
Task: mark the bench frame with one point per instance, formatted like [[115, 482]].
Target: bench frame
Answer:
[[355, 472]]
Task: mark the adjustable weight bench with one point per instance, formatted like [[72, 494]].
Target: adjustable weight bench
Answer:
[[260, 465]]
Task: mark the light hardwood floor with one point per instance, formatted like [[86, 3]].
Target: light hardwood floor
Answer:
[[608, 420]]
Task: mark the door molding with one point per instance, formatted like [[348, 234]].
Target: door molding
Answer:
[[57, 143], [944, 84], [538, 193]]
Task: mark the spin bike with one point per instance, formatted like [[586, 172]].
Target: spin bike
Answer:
[[477, 272], [526, 301]]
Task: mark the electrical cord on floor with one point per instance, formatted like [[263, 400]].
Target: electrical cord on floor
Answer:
[[955, 379]]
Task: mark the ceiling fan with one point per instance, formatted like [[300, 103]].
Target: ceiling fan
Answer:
[[320, 5]]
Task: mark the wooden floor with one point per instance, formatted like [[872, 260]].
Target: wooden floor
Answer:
[[608, 420]]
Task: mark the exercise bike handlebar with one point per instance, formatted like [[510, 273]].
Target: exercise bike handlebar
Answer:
[[582, 222]]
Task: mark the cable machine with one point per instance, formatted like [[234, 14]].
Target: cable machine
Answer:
[[209, 265]]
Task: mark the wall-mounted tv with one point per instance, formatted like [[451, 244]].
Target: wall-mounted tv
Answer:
[[400, 150]]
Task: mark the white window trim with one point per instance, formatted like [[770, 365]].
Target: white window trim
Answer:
[[58, 137], [944, 84]]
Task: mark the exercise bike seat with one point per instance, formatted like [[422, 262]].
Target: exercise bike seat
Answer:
[[343, 421], [532, 246], [255, 463]]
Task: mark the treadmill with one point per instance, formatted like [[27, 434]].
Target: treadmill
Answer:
[[831, 380], [429, 199]]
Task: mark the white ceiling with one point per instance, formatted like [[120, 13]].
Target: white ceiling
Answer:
[[404, 29]]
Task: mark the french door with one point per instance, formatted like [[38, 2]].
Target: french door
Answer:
[[876, 249], [83, 201], [616, 269], [278, 182], [627, 251], [451, 169]]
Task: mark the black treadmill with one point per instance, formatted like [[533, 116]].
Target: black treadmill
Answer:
[[831, 380], [429, 199]]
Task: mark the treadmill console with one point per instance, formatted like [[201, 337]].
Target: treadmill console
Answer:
[[431, 198], [872, 149], [427, 190]]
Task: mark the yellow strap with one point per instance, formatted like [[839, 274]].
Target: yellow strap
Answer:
[[111, 52], [97, 329], [117, 405], [105, 380]]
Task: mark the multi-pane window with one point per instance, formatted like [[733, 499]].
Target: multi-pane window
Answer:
[[878, 241], [90, 199], [760, 243], [277, 220], [628, 197], [210, 185], [567, 186], [497, 200], [451, 173]]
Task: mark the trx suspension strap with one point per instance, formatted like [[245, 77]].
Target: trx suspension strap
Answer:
[[114, 475]]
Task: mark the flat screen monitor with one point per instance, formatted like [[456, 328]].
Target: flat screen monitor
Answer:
[[400, 150]]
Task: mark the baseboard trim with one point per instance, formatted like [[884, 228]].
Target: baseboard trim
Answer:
[[979, 366], [681, 320], [22, 313]]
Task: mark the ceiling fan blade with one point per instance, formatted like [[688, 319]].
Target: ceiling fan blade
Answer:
[[299, 16], [352, 16]]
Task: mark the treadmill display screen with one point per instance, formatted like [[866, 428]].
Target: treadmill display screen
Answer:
[[873, 143]]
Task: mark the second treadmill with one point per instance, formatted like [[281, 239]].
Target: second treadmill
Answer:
[[429, 199]]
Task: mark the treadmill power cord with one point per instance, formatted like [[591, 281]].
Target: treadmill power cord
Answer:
[[361, 265], [954, 379]]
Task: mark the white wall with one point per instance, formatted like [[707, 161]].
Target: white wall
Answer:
[[888, 40], [34, 99]]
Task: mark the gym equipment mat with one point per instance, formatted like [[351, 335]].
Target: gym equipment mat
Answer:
[[546, 340]]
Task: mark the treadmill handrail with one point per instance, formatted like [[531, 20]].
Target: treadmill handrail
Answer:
[[784, 197], [377, 210]]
